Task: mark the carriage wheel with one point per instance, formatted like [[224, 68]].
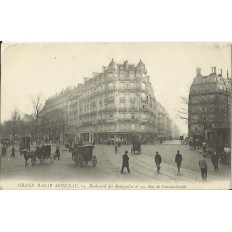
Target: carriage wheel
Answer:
[[75, 159], [42, 159], [94, 161], [33, 160]]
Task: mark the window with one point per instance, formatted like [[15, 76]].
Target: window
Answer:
[[132, 85], [143, 86], [122, 115], [111, 85], [127, 85], [122, 99], [132, 74], [132, 116], [122, 104]]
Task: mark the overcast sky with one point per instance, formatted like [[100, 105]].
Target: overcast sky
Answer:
[[28, 69]]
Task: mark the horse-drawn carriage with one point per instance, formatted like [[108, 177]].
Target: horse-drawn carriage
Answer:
[[82, 154], [136, 147], [41, 153]]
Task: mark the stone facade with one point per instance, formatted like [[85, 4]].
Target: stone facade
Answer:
[[118, 103], [209, 107]]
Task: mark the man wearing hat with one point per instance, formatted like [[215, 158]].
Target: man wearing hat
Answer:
[[203, 166], [178, 160], [57, 153], [214, 160], [158, 160], [125, 162]]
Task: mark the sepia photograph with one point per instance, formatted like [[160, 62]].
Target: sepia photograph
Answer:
[[115, 116]]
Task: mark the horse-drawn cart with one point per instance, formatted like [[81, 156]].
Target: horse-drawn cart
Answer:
[[41, 153], [44, 153], [84, 154], [136, 147]]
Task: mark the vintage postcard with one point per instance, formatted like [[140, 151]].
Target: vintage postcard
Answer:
[[114, 116]]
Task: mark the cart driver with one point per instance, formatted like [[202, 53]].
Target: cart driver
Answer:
[[57, 153]]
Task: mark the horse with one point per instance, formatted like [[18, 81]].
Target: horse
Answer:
[[28, 155]]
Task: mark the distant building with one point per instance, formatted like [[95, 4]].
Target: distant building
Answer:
[[55, 118], [209, 107], [118, 103]]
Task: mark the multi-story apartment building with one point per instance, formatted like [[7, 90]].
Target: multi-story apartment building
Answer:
[[118, 103], [209, 107]]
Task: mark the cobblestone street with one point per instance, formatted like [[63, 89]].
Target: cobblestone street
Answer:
[[142, 167]]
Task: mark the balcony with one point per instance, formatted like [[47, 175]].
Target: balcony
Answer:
[[122, 99], [122, 109], [144, 100], [133, 109], [110, 99], [111, 108], [143, 109]]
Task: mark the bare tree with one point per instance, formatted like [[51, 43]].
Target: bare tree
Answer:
[[203, 110], [15, 120], [182, 112], [37, 102]]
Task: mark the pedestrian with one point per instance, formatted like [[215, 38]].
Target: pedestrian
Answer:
[[116, 147], [203, 166], [178, 160], [57, 153], [13, 152], [204, 147], [125, 162], [3, 150], [214, 160], [158, 161]]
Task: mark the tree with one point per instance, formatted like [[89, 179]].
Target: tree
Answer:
[[15, 121], [201, 110], [37, 102], [182, 112]]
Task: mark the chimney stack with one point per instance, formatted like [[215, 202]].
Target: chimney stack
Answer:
[[215, 70], [211, 69], [221, 72], [198, 72], [227, 74]]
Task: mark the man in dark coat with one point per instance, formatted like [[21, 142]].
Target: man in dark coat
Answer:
[[13, 152], [3, 150], [158, 161], [203, 166], [57, 153], [214, 160], [125, 162], [178, 160]]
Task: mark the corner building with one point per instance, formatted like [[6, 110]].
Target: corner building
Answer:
[[117, 103], [209, 107]]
